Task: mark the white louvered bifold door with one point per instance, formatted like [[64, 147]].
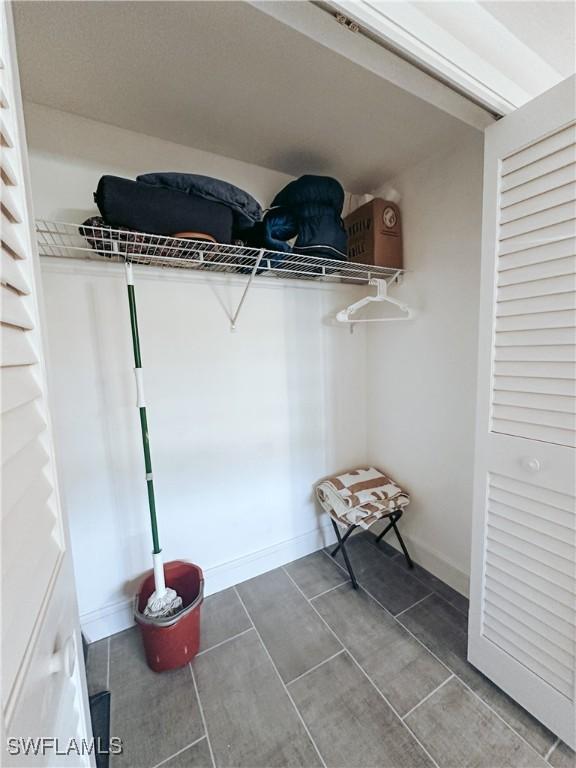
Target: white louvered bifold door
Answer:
[[42, 689], [522, 629]]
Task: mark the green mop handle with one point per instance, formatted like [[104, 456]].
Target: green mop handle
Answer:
[[141, 403]]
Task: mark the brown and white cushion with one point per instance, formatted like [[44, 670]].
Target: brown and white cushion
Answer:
[[361, 496]]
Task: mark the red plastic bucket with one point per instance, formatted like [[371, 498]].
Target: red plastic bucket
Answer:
[[173, 642]]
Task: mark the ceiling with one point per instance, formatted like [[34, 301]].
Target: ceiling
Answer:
[[227, 78], [502, 53], [530, 44], [548, 28]]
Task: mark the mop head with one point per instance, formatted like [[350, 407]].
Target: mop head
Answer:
[[160, 606]]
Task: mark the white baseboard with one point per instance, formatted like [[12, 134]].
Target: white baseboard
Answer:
[[434, 562], [108, 620], [118, 616], [233, 572]]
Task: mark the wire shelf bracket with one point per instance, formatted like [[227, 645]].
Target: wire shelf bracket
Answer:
[[234, 319]]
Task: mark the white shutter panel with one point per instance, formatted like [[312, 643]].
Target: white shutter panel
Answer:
[[528, 603], [522, 616], [528, 606], [43, 679], [32, 536], [534, 368]]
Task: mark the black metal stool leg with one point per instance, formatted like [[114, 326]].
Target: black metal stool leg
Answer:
[[401, 540], [392, 524], [341, 541], [384, 532]]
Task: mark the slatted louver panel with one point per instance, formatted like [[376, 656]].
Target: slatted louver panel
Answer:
[[31, 534], [534, 367], [528, 606]]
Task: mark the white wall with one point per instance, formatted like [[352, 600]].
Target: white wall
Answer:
[[242, 424], [422, 374], [70, 153]]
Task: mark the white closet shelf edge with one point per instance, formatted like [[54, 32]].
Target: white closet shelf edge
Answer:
[[101, 245]]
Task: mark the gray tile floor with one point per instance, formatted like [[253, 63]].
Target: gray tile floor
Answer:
[[297, 669]]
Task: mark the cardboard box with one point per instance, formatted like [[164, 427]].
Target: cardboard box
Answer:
[[375, 234]]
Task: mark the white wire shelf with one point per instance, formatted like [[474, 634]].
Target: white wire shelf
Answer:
[[100, 243]]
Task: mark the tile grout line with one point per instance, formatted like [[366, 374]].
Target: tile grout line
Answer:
[[253, 626], [389, 612], [499, 716], [455, 674], [445, 599], [193, 743], [415, 576], [552, 748], [321, 594], [223, 642], [201, 708], [414, 604], [337, 564], [438, 659], [476, 695], [372, 683], [267, 652], [459, 678], [428, 696], [345, 647], [316, 666]]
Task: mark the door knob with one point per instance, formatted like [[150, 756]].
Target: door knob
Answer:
[[64, 658], [531, 465]]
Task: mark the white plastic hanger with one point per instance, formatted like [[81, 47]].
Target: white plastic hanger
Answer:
[[346, 315]]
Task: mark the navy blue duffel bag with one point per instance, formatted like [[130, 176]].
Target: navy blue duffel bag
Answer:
[[161, 210], [246, 209]]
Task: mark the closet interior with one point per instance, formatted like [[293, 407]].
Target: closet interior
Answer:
[[263, 376], [293, 395]]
